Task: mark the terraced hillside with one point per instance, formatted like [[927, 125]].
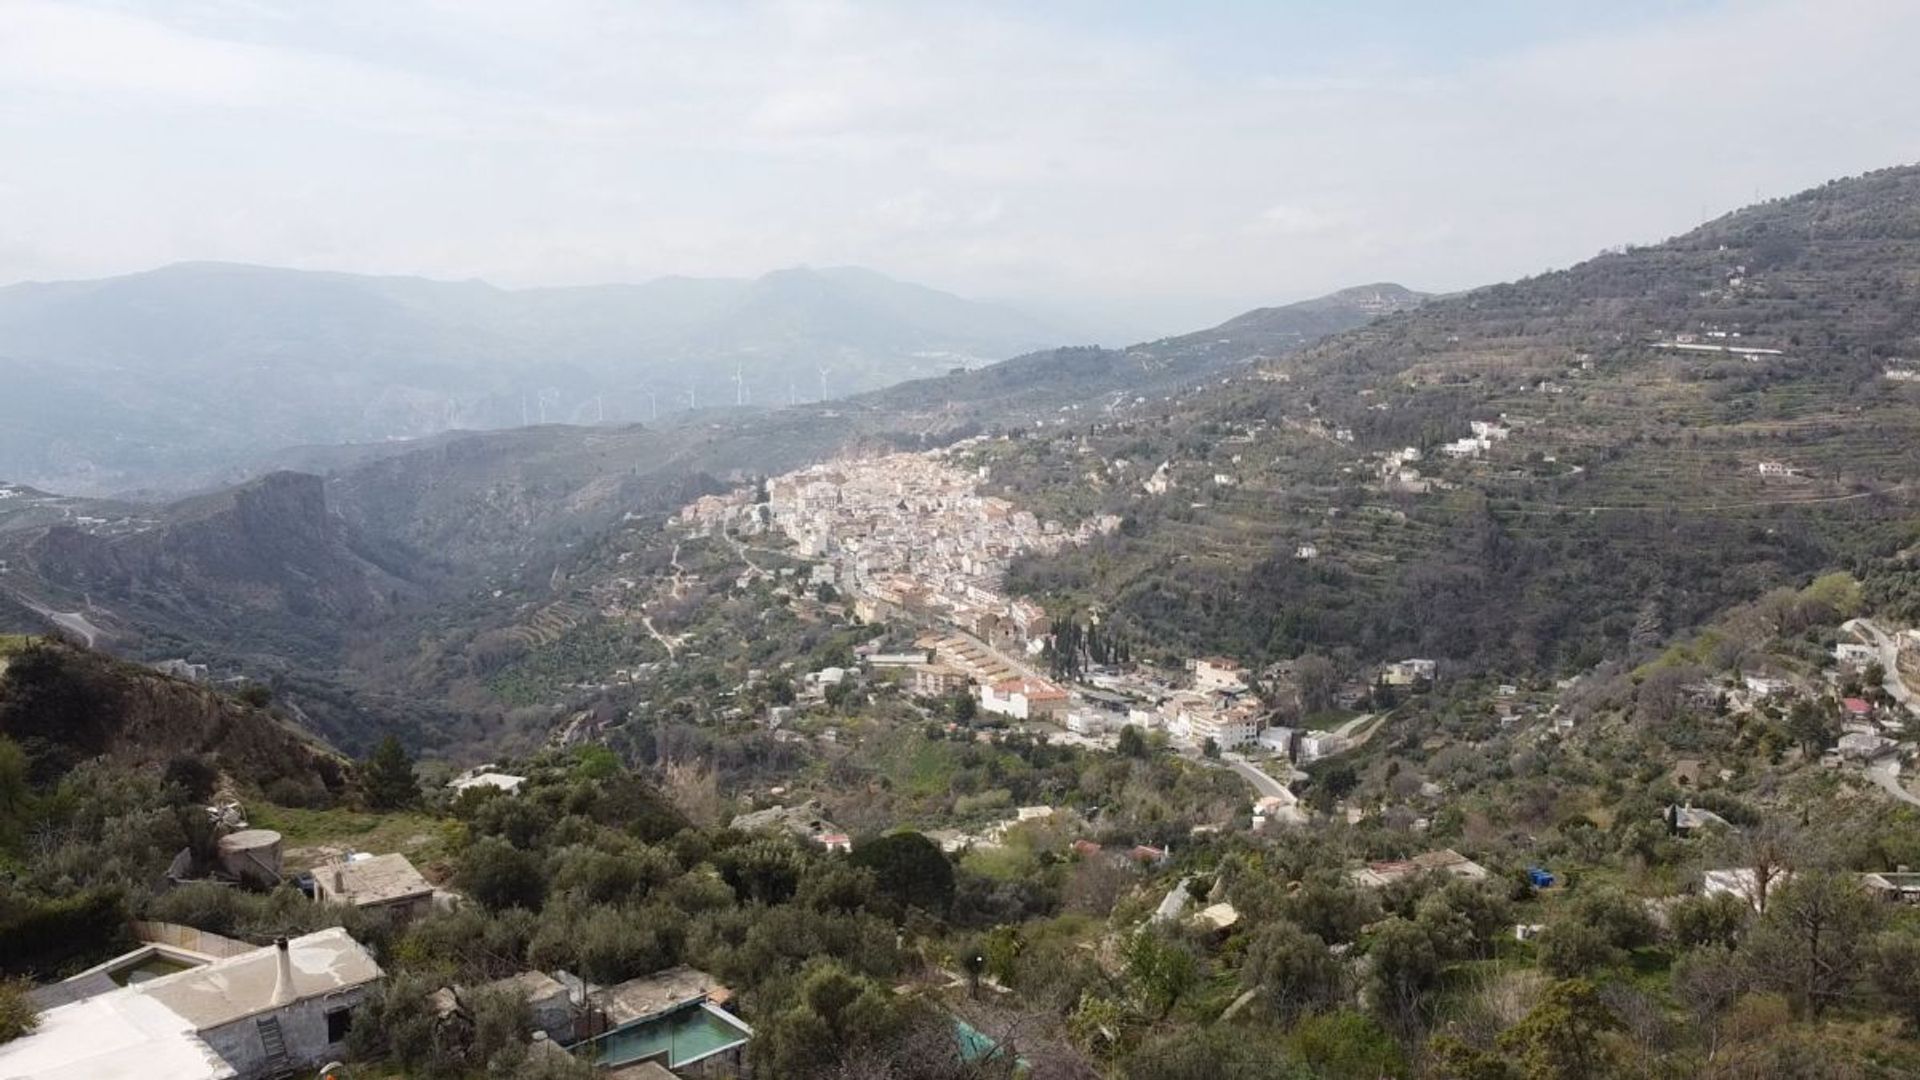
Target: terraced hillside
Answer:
[[1671, 429]]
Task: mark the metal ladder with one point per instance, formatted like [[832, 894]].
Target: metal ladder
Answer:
[[274, 1042]]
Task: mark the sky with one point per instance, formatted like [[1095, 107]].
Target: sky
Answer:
[[1133, 168]]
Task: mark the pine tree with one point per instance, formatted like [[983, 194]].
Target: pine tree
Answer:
[[388, 776]]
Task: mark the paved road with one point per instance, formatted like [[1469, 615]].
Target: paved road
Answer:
[[74, 622], [1888, 778], [1873, 635], [1266, 785]]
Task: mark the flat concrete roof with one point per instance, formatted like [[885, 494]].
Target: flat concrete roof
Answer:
[[125, 1035], [660, 992], [383, 879], [242, 986], [529, 985]]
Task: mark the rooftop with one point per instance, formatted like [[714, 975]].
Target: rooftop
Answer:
[[240, 986], [382, 879], [661, 992], [150, 1029]]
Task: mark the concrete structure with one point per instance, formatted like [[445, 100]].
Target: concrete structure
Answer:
[[383, 882], [1901, 886], [263, 1013], [484, 776], [1227, 724], [1445, 861], [1855, 654], [1687, 820], [671, 1018], [1277, 739], [252, 857], [1088, 722], [1218, 675], [1024, 699], [546, 997], [898, 659], [1314, 745], [1408, 672], [807, 821], [938, 681], [1862, 746]]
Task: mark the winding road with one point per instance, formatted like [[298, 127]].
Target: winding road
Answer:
[[1870, 632], [74, 622]]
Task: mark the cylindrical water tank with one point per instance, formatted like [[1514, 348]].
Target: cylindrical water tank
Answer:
[[252, 856]]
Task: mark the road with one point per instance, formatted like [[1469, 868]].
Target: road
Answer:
[[1889, 649], [74, 622], [1266, 785], [1268, 788], [1887, 776]]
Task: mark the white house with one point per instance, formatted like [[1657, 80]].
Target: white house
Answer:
[[1218, 675], [1850, 652], [1315, 745], [1408, 672], [1226, 728], [1024, 699], [265, 1012], [1277, 739], [1089, 722], [484, 776]]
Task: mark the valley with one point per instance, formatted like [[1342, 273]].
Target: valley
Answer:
[[1364, 679]]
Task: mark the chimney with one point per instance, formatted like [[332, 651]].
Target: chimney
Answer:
[[283, 973], [339, 883]]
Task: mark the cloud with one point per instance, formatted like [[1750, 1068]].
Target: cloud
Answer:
[[1086, 154]]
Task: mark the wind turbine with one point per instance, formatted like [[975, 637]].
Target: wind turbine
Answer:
[[823, 384], [739, 387], [653, 402]]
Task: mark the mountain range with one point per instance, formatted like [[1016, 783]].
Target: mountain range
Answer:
[[181, 377], [1530, 476]]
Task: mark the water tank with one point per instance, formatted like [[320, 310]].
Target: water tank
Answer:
[[252, 856]]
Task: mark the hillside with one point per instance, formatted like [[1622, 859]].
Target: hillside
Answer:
[[176, 377], [1621, 492], [1027, 388], [64, 704]]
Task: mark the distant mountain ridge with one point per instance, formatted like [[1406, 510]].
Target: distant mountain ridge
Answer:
[[1027, 387], [174, 377]]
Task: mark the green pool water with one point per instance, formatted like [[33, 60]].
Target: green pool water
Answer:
[[152, 967], [684, 1037]]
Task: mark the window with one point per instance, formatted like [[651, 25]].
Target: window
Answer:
[[339, 1022]]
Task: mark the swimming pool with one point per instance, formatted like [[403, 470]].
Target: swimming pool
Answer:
[[155, 965], [683, 1037]]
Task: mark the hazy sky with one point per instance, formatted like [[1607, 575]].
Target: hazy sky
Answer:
[[1161, 164]]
